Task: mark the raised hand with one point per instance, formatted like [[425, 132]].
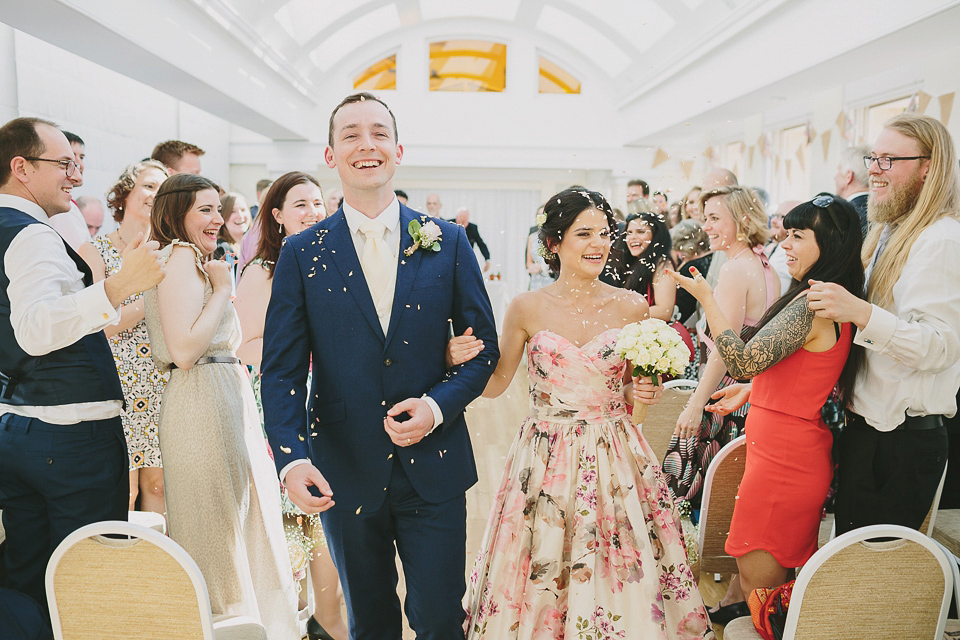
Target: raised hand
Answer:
[[219, 273], [689, 421], [463, 348], [141, 269], [697, 286], [298, 481], [729, 399]]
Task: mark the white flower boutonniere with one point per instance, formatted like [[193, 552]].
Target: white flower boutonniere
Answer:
[[426, 236]]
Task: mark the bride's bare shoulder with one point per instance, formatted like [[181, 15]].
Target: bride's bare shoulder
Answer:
[[629, 303]]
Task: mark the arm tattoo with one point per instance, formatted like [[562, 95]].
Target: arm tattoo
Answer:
[[784, 334]]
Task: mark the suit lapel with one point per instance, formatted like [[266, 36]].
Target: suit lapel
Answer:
[[407, 268], [345, 259]]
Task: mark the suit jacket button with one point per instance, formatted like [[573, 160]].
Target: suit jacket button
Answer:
[[387, 362]]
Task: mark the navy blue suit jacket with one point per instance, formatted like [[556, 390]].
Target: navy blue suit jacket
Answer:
[[320, 306]]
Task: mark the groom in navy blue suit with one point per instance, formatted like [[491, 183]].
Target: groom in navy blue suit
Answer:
[[379, 445]]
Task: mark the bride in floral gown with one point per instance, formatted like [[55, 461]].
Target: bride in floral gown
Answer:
[[583, 540]]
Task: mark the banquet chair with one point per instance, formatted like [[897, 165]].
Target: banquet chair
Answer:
[[952, 630], [140, 585], [720, 488], [852, 588], [661, 420]]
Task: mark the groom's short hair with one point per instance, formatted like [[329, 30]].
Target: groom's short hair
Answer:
[[361, 97]]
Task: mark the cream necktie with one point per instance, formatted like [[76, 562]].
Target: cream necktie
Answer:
[[373, 260]]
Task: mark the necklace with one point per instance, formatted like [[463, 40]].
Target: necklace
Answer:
[[578, 308], [123, 243]]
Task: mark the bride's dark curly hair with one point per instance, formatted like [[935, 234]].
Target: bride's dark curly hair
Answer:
[[561, 210]]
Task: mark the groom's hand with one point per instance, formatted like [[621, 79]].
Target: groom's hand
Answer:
[[299, 480], [413, 429]]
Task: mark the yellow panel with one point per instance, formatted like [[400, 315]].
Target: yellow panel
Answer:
[[468, 65], [378, 76], [555, 79]]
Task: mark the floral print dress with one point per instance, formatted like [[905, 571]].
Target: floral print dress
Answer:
[[584, 540]]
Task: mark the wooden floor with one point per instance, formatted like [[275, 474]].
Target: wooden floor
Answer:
[[493, 425]]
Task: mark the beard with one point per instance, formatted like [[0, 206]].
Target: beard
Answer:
[[899, 203]]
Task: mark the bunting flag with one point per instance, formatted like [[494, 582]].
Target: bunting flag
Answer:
[[659, 158], [842, 122], [919, 102], [787, 165], [825, 137], [776, 164], [800, 160], [708, 153], [750, 154], [687, 166], [811, 133], [946, 108]]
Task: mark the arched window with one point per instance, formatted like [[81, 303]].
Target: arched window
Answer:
[[468, 65], [378, 76], [556, 79]]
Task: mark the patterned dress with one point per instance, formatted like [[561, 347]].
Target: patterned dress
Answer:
[[583, 539], [142, 381]]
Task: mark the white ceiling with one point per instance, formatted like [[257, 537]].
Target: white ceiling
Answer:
[[649, 67]]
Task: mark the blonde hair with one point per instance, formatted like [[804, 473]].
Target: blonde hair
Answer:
[[747, 211], [939, 197]]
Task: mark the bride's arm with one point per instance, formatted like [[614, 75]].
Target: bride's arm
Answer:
[[188, 324], [512, 340]]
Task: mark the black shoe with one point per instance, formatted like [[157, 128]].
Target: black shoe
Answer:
[[315, 631], [726, 613]]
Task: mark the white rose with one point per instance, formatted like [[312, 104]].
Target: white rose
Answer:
[[430, 233]]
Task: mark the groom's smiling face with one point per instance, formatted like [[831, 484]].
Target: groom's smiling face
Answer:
[[365, 151]]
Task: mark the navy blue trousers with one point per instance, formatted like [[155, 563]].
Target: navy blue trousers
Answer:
[[55, 479], [431, 541]]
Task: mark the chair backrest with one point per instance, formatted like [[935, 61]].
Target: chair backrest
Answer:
[[853, 588], [146, 585], [661, 420], [720, 487], [931, 520]]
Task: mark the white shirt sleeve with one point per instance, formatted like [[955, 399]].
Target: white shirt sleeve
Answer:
[[49, 306]]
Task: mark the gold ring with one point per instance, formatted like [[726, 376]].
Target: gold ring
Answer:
[[408, 440]]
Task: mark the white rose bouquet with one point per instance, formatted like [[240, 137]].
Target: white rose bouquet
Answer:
[[653, 347]]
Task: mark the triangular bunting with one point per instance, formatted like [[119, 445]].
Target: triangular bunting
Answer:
[[946, 108], [825, 137], [750, 154], [787, 166], [659, 158], [800, 160], [708, 152], [842, 121], [687, 166], [762, 143], [919, 102]]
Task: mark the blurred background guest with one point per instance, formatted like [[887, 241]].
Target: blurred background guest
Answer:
[[92, 210], [236, 223], [691, 249], [775, 254], [643, 252]]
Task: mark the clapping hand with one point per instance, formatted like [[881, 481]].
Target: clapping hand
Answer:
[[697, 286], [729, 399]]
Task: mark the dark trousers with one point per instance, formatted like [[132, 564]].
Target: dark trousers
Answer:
[[55, 479], [887, 477], [431, 541]]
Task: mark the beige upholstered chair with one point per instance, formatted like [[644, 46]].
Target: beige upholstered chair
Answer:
[[852, 589], [144, 586], [720, 488], [661, 420]]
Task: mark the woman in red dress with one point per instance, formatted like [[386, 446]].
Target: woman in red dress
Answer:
[[794, 360]]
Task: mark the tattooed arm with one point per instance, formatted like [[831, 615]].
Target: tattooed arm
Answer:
[[785, 333]]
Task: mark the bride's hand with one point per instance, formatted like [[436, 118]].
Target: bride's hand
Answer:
[[729, 399], [697, 286], [645, 392], [689, 421], [463, 348]]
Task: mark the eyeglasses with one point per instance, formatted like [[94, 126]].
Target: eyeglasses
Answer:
[[885, 162], [67, 165], [823, 201]]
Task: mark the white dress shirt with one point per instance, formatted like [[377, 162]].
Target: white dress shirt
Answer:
[[913, 346], [72, 226], [778, 260], [50, 308], [390, 218]]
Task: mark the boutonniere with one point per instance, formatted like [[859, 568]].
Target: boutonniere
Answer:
[[425, 236]]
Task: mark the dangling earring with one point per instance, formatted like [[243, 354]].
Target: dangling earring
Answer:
[[281, 228]]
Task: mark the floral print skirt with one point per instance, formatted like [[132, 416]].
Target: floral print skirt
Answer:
[[583, 541]]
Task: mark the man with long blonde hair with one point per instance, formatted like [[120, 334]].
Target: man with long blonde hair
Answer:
[[894, 447]]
